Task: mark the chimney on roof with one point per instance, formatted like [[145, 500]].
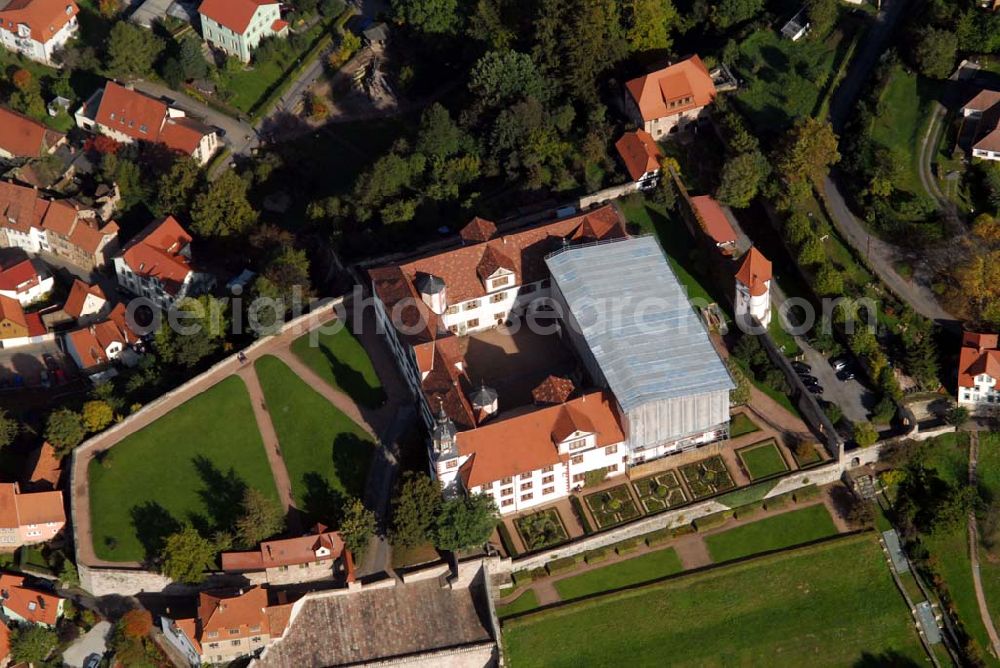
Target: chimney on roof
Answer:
[[41, 602]]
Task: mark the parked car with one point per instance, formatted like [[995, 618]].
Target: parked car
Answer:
[[815, 389], [808, 380], [45, 379], [50, 362], [838, 363], [801, 367], [92, 661], [845, 374]]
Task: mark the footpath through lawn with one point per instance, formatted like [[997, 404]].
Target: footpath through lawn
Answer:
[[327, 455], [341, 360], [832, 604], [191, 464]]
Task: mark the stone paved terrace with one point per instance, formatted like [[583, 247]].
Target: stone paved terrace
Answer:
[[379, 624]]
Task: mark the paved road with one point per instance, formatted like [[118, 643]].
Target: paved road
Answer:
[[977, 580], [881, 256], [92, 642], [872, 46]]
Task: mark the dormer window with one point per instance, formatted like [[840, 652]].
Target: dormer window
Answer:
[[501, 281], [143, 128]]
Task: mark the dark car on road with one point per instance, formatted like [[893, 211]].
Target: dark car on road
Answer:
[[845, 374], [815, 389], [92, 661], [801, 367], [808, 380]]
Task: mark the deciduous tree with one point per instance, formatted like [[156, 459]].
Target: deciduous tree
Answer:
[[132, 50], [649, 23], [64, 430], [223, 209], [32, 644], [97, 415], [175, 188], [414, 509], [464, 522], [865, 434], [9, 428], [261, 517], [357, 527], [187, 555], [726, 13], [429, 16], [935, 52], [741, 179]]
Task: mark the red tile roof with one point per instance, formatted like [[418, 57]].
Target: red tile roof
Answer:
[[553, 390], [156, 252], [4, 642], [286, 552], [44, 468], [131, 112], [34, 605], [91, 343], [20, 207], [713, 219], [983, 100], [184, 134], [278, 25], [528, 440], [680, 87], [88, 237], [10, 309], [478, 230], [233, 14], [21, 275], [35, 325], [44, 17], [979, 355], [754, 272], [25, 137], [78, 297], [20, 509], [640, 153], [247, 612]]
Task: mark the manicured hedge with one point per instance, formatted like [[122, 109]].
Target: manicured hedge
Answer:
[[508, 543], [747, 511], [626, 545], [559, 565], [522, 578], [594, 556], [581, 516], [712, 521], [682, 530], [658, 537], [779, 501]]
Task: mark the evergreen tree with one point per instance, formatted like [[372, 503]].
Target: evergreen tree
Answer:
[[414, 510]]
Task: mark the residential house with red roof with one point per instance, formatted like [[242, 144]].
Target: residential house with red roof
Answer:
[[670, 100], [641, 156], [230, 625], [318, 555], [86, 303], [982, 112], [97, 345], [128, 116], [23, 278], [25, 604], [30, 517], [35, 224], [156, 264], [530, 448], [38, 29], [237, 26], [42, 470], [753, 287], [13, 323], [979, 370], [23, 137], [714, 223]]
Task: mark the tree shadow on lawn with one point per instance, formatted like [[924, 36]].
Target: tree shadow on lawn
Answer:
[[321, 502], [222, 495], [352, 457], [153, 524], [889, 659], [353, 382]]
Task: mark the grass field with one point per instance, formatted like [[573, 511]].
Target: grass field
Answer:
[[192, 463], [326, 453], [740, 425], [988, 473], [650, 566], [827, 605], [773, 533], [341, 360], [762, 460], [523, 603]]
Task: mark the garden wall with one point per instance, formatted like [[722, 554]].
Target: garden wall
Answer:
[[608, 194]]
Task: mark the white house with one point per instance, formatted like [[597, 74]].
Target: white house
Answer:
[[753, 287], [127, 116], [238, 26], [978, 370], [983, 110], [672, 99], [86, 303], [38, 29], [23, 278], [156, 264], [95, 346]]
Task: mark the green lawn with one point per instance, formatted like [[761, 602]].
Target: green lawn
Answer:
[[988, 472], [326, 453], [740, 425], [763, 460], [772, 533], [341, 360], [826, 605], [650, 566], [526, 601], [193, 463]]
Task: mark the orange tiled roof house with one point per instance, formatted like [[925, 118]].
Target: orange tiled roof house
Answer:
[[979, 370], [237, 26], [534, 437], [38, 29], [28, 518], [128, 116], [670, 100], [753, 287], [156, 264], [318, 555], [983, 110], [229, 625], [30, 606]]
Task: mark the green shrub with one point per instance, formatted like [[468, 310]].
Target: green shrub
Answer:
[[747, 511], [505, 539], [626, 545], [779, 501], [658, 537], [712, 521], [595, 556], [581, 516], [559, 565], [682, 530], [539, 572], [522, 578], [806, 493], [595, 477]]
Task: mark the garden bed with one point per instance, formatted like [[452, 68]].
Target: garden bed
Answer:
[[611, 507], [541, 530], [707, 477], [660, 492], [740, 425], [762, 460]]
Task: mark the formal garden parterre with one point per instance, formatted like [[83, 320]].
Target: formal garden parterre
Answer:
[[762, 460], [707, 477], [611, 507], [662, 491], [541, 530]]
